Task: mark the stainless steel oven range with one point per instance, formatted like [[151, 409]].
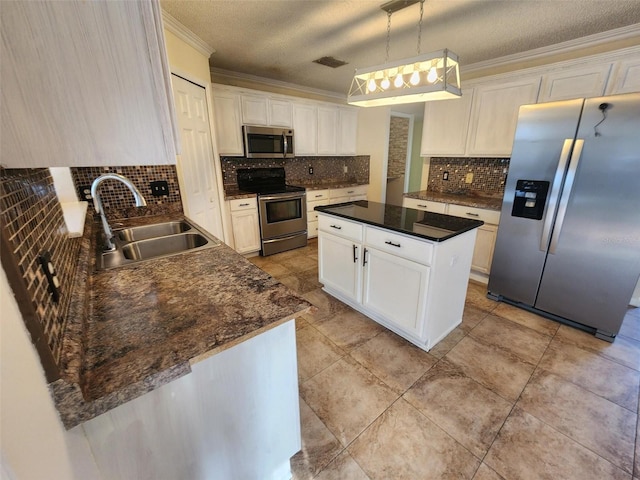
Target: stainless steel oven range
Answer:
[[282, 208]]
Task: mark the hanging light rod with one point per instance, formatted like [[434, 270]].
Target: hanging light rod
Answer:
[[395, 5], [425, 77]]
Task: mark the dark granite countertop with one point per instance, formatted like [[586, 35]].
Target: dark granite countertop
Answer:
[[432, 226], [489, 202], [236, 193], [146, 323]]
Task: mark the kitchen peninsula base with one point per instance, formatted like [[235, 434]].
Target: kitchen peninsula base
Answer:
[[411, 278]]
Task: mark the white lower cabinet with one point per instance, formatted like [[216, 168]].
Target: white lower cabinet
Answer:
[[395, 289], [483, 250], [245, 224], [412, 286], [317, 198]]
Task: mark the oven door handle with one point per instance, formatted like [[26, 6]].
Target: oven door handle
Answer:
[[282, 196]]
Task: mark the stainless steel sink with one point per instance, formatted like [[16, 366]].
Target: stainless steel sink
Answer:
[[137, 244], [152, 231], [157, 247]]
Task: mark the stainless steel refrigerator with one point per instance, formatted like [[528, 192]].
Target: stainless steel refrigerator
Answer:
[[568, 243]]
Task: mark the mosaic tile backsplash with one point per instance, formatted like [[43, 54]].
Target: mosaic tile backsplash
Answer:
[[32, 219], [117, 199], [489, 175], [325, 169], [398, 144]]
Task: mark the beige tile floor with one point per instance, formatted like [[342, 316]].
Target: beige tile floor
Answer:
[[507, 395]]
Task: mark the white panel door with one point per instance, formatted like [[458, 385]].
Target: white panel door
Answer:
[[196, 164], [339, 265], [395, 289], [327, 130]]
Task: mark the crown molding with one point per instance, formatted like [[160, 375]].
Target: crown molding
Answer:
[[230, 75], [609, 36], [186, 35]]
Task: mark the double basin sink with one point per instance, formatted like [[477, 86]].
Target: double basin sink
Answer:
[[136, 244]]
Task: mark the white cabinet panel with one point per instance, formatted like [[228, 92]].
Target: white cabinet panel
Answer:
[[487, 216], [446, 124], [395, 289], [327, 130], [339, 264], [495, 114], [347, 130], [625, 77], [587, 81], [228, 123], [85, 84], [254, 110], [484, 247], [400, 245], [280, 113], [305, 127], [245, 224]]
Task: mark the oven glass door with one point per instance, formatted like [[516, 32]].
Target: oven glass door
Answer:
[[282, 216]]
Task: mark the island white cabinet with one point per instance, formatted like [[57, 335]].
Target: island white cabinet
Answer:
[[411, 285], [245, 224], [228, 123], [494, 115], [445, 127]]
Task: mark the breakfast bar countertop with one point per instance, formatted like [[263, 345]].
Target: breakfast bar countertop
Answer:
[[145, 324]]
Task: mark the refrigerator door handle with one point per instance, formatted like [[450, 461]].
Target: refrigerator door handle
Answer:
[[555, 192], [566, 193]]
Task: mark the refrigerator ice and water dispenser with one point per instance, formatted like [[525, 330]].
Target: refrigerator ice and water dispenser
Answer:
[[530, 198]]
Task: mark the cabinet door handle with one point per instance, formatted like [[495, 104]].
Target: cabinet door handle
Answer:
[[389, 242], [364, 257], [337, 227], [421, 205], [244, 205], [355, 253], [471, 214], [350, 191], [318, 196]]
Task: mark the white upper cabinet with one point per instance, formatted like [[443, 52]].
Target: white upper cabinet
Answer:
[[262, 110], [495, 113], [446, 123], [588, 81], [327, 130], [625, 77], [347, 130], [85, 84], [305, 128], [228, 122]]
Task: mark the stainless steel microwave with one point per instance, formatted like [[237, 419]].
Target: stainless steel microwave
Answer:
[[267, 142]]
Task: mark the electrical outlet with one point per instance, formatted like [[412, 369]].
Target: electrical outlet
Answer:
[[445, 176], [310, 170], [85, 193], [468, 178], [346, 169], [159, 188]]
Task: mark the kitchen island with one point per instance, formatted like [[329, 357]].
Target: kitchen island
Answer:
[[182, 366], [404, 268]]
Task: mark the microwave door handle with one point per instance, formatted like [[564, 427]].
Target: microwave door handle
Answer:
[[286, 145]]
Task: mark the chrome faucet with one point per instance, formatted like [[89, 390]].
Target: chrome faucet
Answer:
[[97, 202]]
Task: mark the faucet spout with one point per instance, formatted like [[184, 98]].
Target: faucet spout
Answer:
[[97, 202]]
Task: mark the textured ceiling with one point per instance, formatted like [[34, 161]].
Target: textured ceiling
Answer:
[[279, 39]]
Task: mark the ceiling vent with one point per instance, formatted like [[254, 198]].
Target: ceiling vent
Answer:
[[330, 62]]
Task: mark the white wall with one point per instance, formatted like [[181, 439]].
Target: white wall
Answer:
[[373, 140], [33, 443]]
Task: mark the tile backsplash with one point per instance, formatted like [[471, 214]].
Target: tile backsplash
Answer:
[[325, 169], [32, 221], [489, 175], [118, 200]]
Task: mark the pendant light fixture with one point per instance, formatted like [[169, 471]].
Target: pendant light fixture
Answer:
[[425, 77]]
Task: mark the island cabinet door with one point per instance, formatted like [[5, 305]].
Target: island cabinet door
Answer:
[[339, 266], [395, 289]]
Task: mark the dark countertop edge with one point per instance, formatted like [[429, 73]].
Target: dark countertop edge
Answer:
[[66, 392], [487, 203], [238, 194], [325, 208]]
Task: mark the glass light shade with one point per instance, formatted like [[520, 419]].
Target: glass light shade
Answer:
[[432, 76]]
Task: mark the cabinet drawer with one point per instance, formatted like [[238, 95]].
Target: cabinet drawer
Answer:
[[425, 205], [401, 245], [312, 229], [243, 204], [348, 191], [341, 227], [317, 195], [487, 216]]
